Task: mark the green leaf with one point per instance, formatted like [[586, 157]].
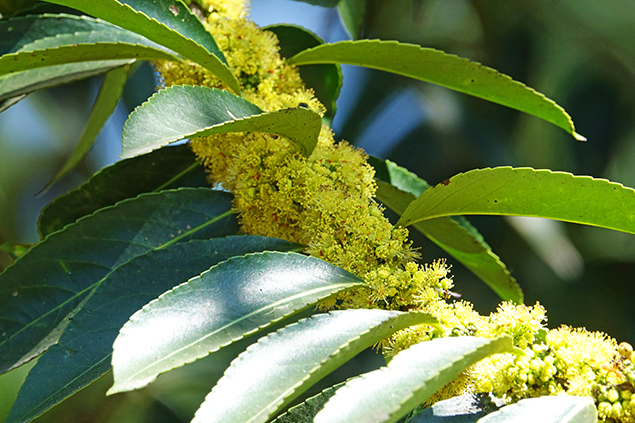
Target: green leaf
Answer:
[[179, 112], [397, 188], [105, 103], [18, 32], [556, 409], [282, 365], [411, 377], [443, 69], [325, 80], [40, 289], [306, 411], [230, 301], [167, 168], [353, 13], [25, 82], [166, 22], [83, 352], [528, 192]]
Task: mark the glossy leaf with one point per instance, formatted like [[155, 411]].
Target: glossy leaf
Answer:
[[83, 352], [353, 14], [105, 104], [100, 41], [15, 249], [282, 365], [21, 83], [40, 289], [556, 409], [180, 112], [443, 69], [528, 192], [166, 22], [411, 377], [231, 300], [397, 188], [325, 80], [18, 32], [306, 411], [167, 168]]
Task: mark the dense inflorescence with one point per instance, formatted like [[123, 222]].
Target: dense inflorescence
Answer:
[[327, 202]]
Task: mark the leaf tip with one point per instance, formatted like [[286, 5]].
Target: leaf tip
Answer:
[[578, 137]]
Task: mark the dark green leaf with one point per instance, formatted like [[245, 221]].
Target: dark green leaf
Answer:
[[325, 80], [412, 376], [83, 352], [466, 408], [105, 103], [435, 66], [167, 168], [282, 365], [8, 7], [166, 22], [397, 188], [22, 83], [81, 47], [16, 33], [306, 411], [40, 289], [557, 409], [180, 112], [230, 301], [353, 13], [528, 192]]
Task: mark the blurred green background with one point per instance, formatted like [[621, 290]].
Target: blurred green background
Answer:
[[578, 52]]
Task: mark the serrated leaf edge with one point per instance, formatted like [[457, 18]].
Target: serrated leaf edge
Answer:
[[405, 222], [306, 151], [571, 128], [137, 315]]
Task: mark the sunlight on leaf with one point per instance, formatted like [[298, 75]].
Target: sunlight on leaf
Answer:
[[430, 65], [90, 335], [180, 112], [282, 365], [528, 192], [234, 299]]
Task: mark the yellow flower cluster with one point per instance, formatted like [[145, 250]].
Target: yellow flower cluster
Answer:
[[327, 202]]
